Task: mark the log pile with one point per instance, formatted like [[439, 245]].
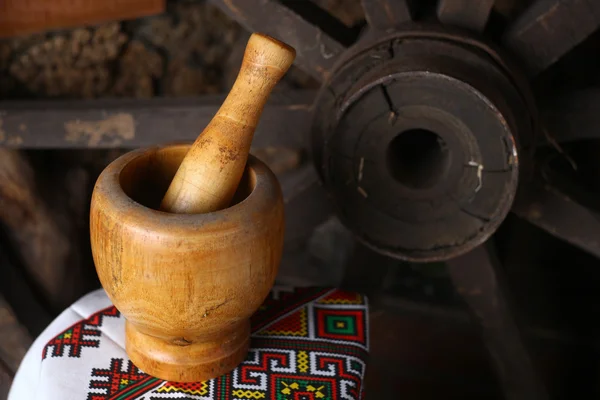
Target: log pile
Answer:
[[72, 64], [177, 53]]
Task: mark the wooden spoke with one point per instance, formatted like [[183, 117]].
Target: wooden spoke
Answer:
[[549, 29], [387, 14], [556, 213], [464, 13], [306, 204], [478, 279], [126, 123], [572, 116], [315, 50]]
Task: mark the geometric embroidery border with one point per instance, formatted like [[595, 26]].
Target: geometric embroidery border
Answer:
[[82, 334], [267, 374], [323, 323], [328, 361]]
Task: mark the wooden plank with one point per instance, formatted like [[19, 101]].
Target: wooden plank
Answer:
[[19, 17], [126, 123], [387, 14], [467, 14], [316, 52], [549, 29]]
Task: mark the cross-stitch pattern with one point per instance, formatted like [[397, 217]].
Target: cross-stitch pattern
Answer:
[[83, 334], [307, 344]]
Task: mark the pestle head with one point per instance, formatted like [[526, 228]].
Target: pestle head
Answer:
[[209, 175]]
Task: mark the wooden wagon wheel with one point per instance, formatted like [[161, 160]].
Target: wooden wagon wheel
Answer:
[[424, 126]]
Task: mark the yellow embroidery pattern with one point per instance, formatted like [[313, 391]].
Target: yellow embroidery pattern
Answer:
[[168, 389], [288, 388], [302, 332], [302, 361], [248, 394], [318, 393]]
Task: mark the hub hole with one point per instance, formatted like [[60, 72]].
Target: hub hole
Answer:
[[418, 158]]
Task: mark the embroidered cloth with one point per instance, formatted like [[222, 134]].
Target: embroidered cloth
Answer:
[[307, 344]]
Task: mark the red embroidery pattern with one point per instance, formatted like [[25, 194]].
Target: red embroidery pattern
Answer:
[[306, 344], [85, 333], [121, 384]]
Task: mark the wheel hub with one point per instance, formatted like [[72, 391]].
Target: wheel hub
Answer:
[[417, 139]]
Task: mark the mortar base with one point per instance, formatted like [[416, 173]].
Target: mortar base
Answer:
[[193, 362]]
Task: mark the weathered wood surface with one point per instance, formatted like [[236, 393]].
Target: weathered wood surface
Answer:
[[571, 116], [6, 379], [479, 279], [15, 338], [41, 244], [20, 17], [556, 213], [306, 204], [208, 176], [14, 343], [126, 123], [216, 243], [549, 29], [465, 13], [387, 14], [316, 51], [17, 291], [40, 213], [192, 280]]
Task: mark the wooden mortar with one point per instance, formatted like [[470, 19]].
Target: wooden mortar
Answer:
[[187, 269]]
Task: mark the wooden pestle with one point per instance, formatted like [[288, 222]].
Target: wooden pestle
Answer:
[[208, 177]]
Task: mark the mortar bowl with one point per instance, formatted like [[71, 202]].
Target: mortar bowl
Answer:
[[187, 284]]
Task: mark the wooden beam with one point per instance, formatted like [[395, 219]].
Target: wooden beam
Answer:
[[20, 17], [126, 123]]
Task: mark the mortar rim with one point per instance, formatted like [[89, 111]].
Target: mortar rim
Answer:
[[264, 195]]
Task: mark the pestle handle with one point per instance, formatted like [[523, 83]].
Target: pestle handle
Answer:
[[209, 175]]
